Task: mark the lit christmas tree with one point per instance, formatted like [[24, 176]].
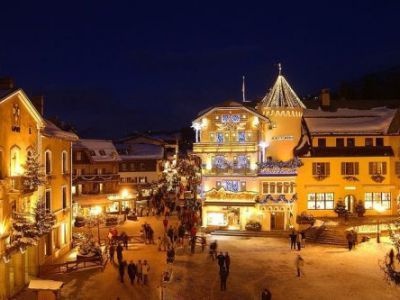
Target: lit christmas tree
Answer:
[[33, 175]]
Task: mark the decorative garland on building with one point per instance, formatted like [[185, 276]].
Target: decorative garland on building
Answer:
[[280, 167]]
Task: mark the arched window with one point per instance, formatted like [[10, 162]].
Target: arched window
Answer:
[[47, 162], [15, 161], [64, 162]]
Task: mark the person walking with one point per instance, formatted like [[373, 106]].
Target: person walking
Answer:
[[111, 252], [223, 274], [293, 240], [125, 240], [391, 257], [151, 235], [299, 265], [132, 271], [121, 269], [266, 294], [170, 233], [145, 272], [355, 238], [298, 241], [119, 252], [350, 241], [227, 261], [303, 239], [139, 271], [221, 260]]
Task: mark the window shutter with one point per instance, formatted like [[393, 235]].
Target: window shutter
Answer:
[[327, 169], [371, 168], [384, 168], [343, 168], [314, 169], [356, 168]]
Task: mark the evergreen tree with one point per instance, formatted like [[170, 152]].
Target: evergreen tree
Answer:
[[34, 175]]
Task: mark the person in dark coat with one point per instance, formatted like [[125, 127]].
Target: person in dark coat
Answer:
[[227, 261], [119, 253], [266, 294], [391, 257], [121, 269], [111, 252], [125, 239], [350, 240], [293, 240], [223, 274], [132, 271], [221, 260]]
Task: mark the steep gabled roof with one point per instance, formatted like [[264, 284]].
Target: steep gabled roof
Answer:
[[51, 130], [281, 95], [102, 150]]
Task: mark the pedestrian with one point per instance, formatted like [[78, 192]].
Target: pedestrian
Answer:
[[165, 223], [151, 235], [266, 294], [355, 238], [293, 240], [391, 257], [303, 239], [139, 271], [181, 233], [170, 233], [111, 252], [119, 252], [223, 274], [132, 271], [350, 241], [298, 241], [121, 269], [125, 240], [227, 261], [299, 265], [221, 260], [145, 272]]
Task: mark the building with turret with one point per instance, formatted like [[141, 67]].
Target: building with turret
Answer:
[[270, 163]]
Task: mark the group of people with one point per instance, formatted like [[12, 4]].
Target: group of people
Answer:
[[297, 240], [139, 271]]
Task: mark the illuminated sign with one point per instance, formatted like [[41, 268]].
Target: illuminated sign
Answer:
[[283, 138]]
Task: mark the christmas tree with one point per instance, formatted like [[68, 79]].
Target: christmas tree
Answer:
[[34, 175]]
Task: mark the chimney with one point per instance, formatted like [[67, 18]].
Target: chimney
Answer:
[[38, 102], [325, 99], [6, 83]]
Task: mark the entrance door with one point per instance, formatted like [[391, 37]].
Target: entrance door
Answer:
[[349, 201], [277, 221]]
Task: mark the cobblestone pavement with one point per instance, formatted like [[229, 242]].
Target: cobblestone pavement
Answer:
[[330, 273]]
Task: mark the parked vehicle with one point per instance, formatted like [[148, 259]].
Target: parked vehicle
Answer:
[[253, 226]]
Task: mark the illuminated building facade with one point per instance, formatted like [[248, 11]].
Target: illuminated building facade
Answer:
[[23, 130], [270, 163]]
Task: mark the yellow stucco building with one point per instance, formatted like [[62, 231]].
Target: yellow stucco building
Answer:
[[23, 129], [274, 161]]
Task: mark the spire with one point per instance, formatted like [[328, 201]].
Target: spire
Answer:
[[281, 94]]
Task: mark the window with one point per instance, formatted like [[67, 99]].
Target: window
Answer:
[[397, 168], [231, 185], [47, 199], [349, 168], [47, 163], [16, 126], [64, 197], [278, 187], [241, 136], [15, 163], [78, 155], [73, 190], [340, 142], [102, 152], [379, 142], [321, 169], [369, 142], [351, 142], [322, 143], [230, 118], [101, 188], [64, 162], [123, 167], [373, 199], [132, 167], [142, 179], [92, 153], [219, 137], [377, 168], [320, 201]]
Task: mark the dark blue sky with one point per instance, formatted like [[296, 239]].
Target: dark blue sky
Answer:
[[118, 67]]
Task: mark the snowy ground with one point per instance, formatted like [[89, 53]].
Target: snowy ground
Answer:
[[330, 272]]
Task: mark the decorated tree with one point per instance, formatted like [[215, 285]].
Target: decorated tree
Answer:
[[33, 175], [392, 274]]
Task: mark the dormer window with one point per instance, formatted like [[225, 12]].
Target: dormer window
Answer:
[[92, 153], [102, 152]]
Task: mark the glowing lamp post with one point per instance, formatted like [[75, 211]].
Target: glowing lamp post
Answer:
[[379, 208]]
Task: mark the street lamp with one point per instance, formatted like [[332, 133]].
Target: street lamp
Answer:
[[379, 208]]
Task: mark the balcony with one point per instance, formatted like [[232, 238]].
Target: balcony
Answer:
[[228, 146], [18, 184], [230, 171], [95, 178]]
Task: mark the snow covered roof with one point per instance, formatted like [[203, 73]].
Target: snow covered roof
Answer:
[[140, 151], [349, 121], [281, 95], [99, 150], [51, 130]]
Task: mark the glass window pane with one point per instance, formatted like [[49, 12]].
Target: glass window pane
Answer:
[[329, 205], [368, 204]]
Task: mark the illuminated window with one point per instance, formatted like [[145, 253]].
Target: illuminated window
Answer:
[[351, 142], [64, 162], [79, 155], [219, 137], [319, 201], [47, 162], [241, 136], [15, 163], [372, 199], [321, 169], [16, 126]]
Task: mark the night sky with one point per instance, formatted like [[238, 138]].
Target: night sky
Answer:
[[115, 68]]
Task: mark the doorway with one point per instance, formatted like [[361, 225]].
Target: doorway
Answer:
[[277, 221], [349, 201]]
